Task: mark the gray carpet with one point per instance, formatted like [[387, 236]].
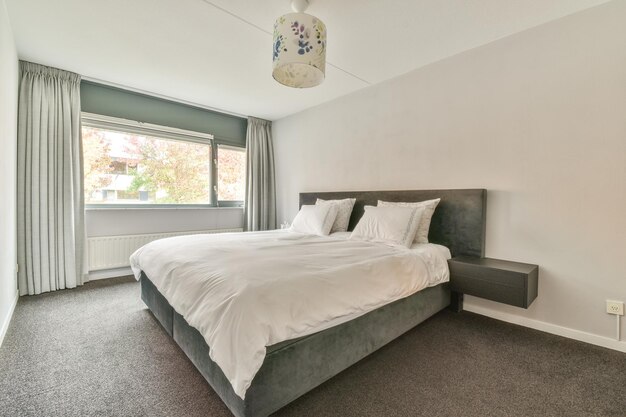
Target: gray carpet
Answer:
[[97, 351]]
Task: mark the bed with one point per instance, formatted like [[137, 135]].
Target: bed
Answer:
[[294, 366]]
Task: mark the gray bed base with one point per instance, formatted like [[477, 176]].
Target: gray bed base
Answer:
[[294, 367]]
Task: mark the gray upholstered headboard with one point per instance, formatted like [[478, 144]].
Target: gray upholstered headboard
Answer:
[[458, 223]]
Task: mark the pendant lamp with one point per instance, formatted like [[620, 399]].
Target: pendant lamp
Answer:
[[299, 53]]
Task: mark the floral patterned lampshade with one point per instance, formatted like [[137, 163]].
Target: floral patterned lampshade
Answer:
[[299, 50]]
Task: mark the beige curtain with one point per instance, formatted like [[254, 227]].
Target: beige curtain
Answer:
[[260, 204], [50, 204]]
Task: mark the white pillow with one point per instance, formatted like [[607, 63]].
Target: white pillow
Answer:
[[315, 220], [392, 225], [344, 212], [429, 208]]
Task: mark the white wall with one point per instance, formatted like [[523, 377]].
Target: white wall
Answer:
[[8, 156], [538, 119], [113, 222]]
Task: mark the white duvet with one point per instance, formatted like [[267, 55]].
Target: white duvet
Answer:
[[246, 291]]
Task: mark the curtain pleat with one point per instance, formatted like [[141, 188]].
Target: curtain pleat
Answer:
[[50, 203], [260, 204]]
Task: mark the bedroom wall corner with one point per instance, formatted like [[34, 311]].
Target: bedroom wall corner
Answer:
[[8, 167], [536, 118]]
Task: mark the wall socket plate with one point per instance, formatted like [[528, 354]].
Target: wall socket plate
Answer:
[[615, 307]]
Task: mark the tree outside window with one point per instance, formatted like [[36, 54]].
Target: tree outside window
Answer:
[[127, 168]]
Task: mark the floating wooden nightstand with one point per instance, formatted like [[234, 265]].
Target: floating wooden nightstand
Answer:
[[507, 282]]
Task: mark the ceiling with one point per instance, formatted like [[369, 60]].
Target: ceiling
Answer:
[[217, 53]]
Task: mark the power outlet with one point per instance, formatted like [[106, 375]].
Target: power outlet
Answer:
[[615, 307]]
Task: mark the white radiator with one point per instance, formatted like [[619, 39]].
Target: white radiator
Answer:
[[110, 252]]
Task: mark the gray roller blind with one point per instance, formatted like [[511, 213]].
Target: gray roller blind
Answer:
[[115, 102]]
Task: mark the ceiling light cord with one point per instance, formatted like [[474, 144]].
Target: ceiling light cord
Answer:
[[210, 3], [348, 73]]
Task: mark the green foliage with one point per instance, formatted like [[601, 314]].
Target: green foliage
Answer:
[[175, 172], [96, 161], [231, 174], [171, 172]]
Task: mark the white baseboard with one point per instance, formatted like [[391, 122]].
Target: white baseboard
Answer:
[[109, 273], [5, 325], [579, 335]]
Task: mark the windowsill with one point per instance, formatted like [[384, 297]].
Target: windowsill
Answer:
[[159, 207]]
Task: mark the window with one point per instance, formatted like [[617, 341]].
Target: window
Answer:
[[130, 163], [231, 173]]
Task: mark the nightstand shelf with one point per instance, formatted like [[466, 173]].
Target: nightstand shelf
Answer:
[[507, 282]]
